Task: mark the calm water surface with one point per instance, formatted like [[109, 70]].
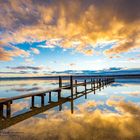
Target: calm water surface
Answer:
[[112, 113]]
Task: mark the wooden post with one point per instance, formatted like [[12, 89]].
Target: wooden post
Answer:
[[85, 89], [106, 82], [33, 101], [94, 86], [59, 95], [42, 100], [76, 87], [1, 110], [60, 107], [60, 81], [71, 84], [91, 83], [8, 111], [72, 106], [50, 99], [99, 84], [103, 81], [59, 92]]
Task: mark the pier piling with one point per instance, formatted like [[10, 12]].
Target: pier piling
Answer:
[[95, 84], [85, 89], [71, 85]]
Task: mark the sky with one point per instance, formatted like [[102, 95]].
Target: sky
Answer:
[[41, 36]]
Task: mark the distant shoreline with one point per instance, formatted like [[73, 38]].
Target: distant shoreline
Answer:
[[119, 76]]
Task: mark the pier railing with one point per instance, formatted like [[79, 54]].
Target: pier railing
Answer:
[[73, 85]]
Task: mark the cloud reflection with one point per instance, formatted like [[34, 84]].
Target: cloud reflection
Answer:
[[84, 124]]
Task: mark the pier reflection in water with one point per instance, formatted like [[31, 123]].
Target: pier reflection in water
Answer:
[[95, 84], [112, 113]]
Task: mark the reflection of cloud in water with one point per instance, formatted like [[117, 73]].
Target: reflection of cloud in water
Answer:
[[129, 81], [20, 106], [26, 82], [125, 107], [132, 93], [104, 119], [27, 89], [85, 125], [116, 84]]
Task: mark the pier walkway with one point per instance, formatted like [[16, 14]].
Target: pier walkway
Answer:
[[94, 83]]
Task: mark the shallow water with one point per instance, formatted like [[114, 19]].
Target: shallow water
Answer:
[[112, 113]]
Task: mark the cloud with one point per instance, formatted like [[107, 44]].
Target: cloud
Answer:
[[87, 22], [46, 46], [20, 105], [29, 61], [25, 68], [132, 42], [72, 64], [51, 43], [88, 52], [83, 124], [27, 89], [125, 107], [20, 72], [8, 55], [133, 93], [35, 51]]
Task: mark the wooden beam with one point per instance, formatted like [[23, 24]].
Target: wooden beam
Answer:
[[32, 101], [60, 81], [71, 85], [1, 110], [50, 97], [72, 106], [42, 100], [85, 89], [94, 86], [76, 87], [8, 110]]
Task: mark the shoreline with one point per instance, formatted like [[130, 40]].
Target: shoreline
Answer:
[[65, 77]]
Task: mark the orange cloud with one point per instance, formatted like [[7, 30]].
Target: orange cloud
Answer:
[[87, 22], [126, 45], [83, 125], [8, 55], [35, 51], [134, 93]]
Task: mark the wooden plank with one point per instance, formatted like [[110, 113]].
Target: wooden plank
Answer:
[[8, 110], [33, 101], [1, 110], [60, 81], [71, 85], [29, 95], [16, 119]]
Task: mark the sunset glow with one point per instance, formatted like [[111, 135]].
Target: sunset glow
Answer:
[[60, 35]]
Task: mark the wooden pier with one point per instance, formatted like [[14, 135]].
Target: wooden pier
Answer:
[[94, 83]]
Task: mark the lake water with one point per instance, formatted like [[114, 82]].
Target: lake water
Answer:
[[112, 113]]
